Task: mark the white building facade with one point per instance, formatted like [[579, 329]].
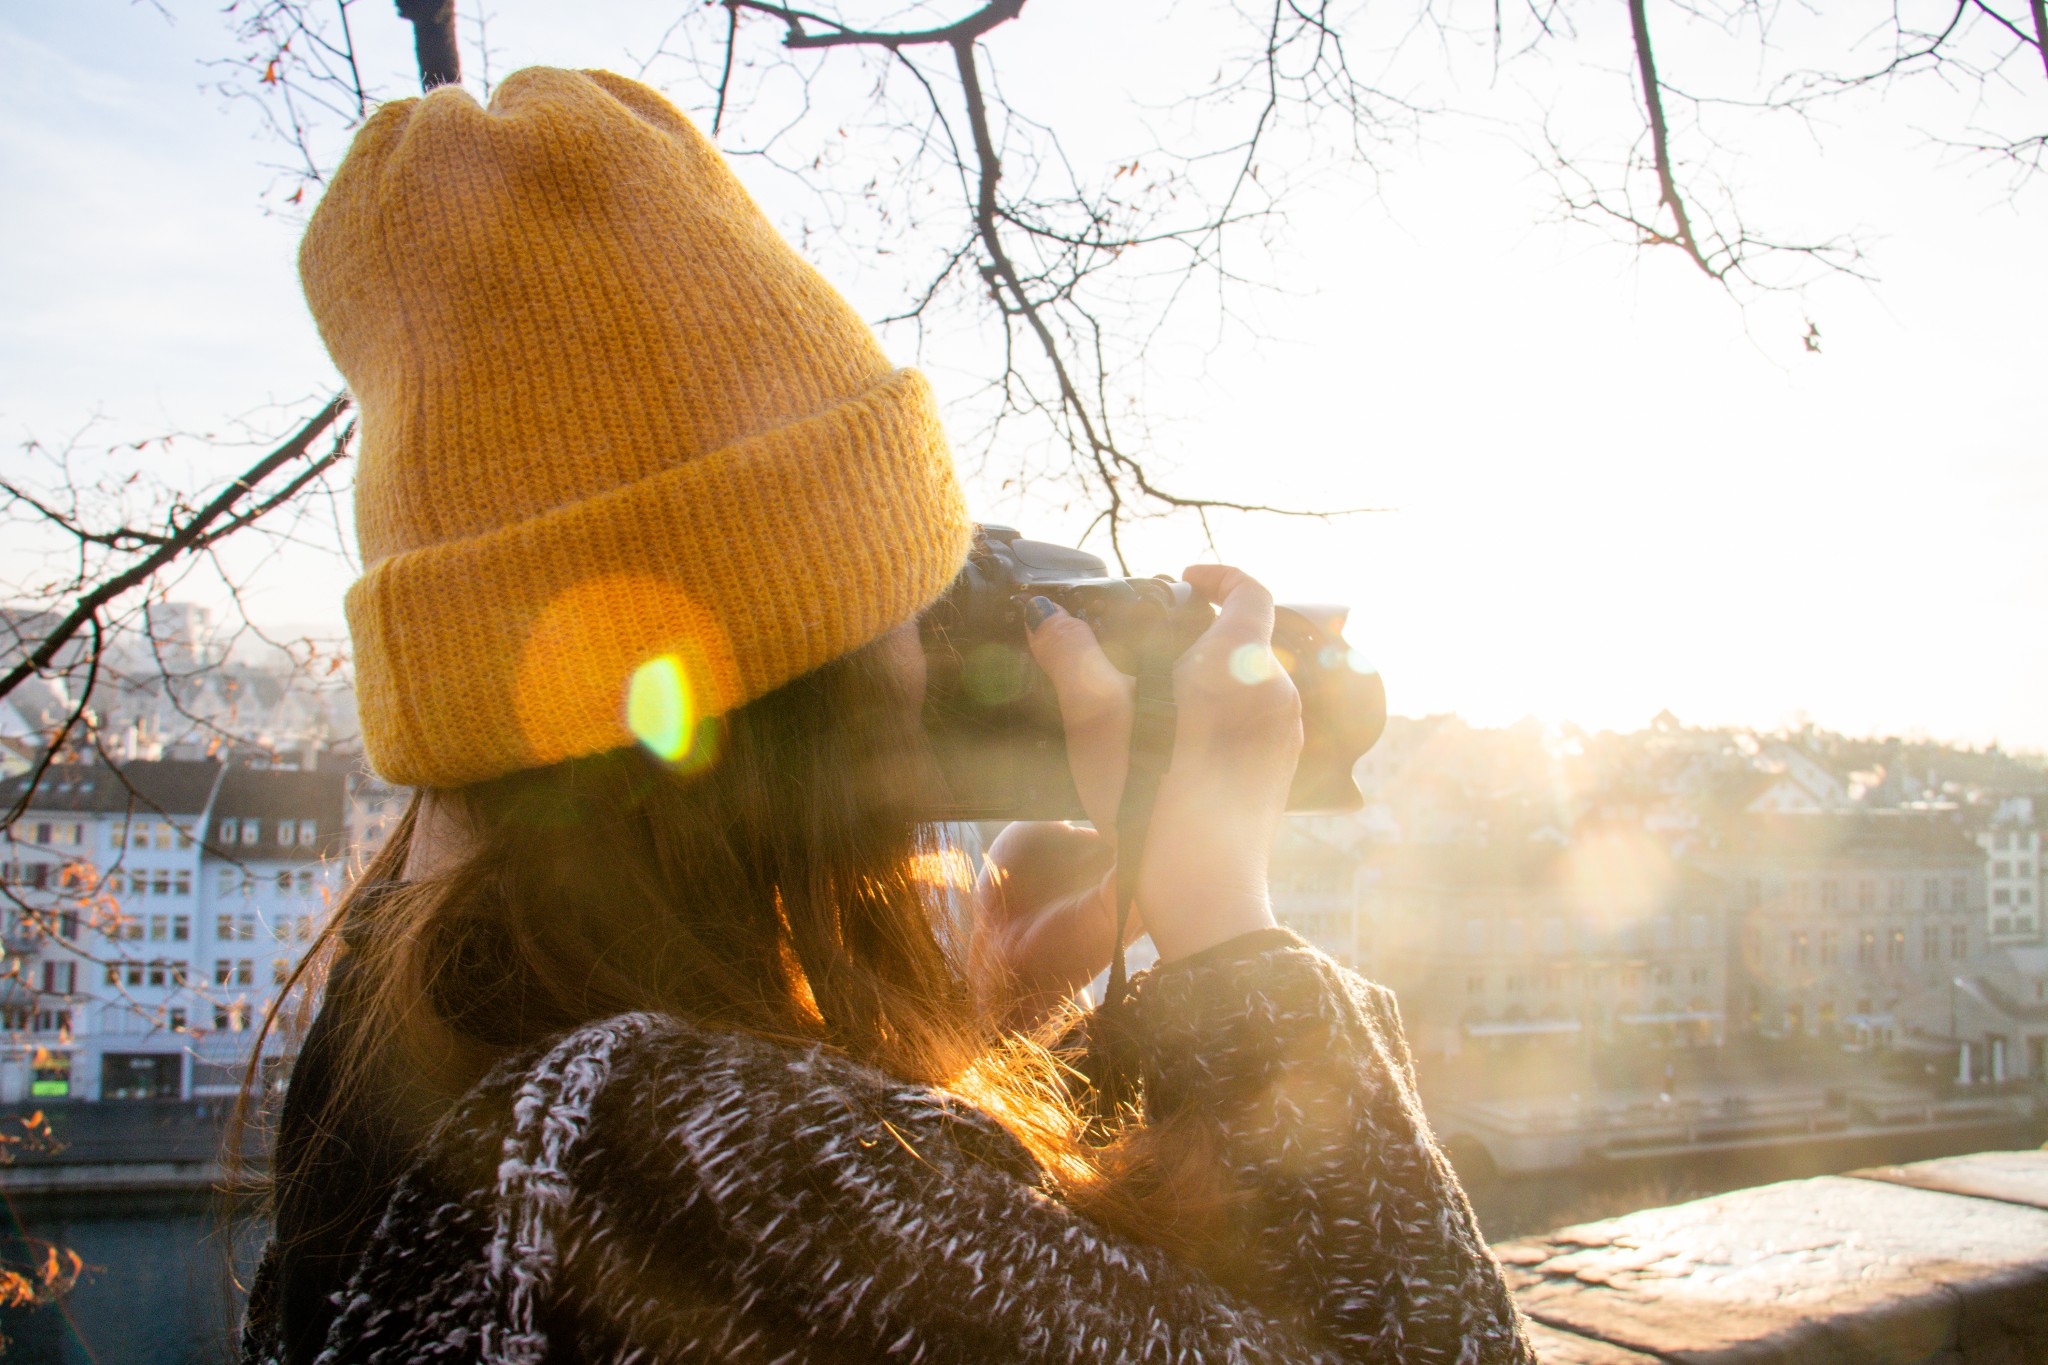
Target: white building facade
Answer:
[[2013, 877], [152, 914]]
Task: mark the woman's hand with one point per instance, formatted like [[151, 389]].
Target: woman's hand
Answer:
[[1236, 742], [1045, 906]]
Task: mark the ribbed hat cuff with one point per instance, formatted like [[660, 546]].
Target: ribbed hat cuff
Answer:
[[749, 566]]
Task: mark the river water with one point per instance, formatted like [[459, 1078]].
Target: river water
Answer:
[[159, 1288]]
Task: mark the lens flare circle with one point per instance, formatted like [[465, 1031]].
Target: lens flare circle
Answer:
[[1252, 664], [660, 710]]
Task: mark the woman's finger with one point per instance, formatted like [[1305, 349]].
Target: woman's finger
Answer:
[[1244, 608], [1095, 706]]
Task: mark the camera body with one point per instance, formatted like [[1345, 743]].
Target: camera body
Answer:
[[994, 720]]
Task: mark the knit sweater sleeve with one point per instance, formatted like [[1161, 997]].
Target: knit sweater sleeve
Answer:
[[899, 1223], [1350, 1218]]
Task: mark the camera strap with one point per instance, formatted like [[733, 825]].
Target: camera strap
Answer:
[[1152, 732]]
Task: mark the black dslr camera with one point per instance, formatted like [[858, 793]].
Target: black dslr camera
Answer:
[[994, 720]]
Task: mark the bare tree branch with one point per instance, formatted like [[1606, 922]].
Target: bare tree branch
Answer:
[[228, 511]]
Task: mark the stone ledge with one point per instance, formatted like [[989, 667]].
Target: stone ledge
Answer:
[[1945, 1263], [2013, 1177]]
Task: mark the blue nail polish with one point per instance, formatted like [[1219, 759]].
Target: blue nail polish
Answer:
[[1037, 610]]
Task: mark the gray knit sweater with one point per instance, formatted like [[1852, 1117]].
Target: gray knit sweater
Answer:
[[650, 1190]]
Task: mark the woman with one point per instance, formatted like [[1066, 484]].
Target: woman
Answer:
[[640, 1039]]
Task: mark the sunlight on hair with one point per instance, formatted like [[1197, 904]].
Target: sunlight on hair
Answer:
[[660, 711], [948, 867]]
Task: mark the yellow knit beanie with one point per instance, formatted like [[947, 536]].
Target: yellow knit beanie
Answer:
[[621, 447]]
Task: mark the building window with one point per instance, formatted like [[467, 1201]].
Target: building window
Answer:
[[222, 970], [1752, 893], [1831, 894], [248, 926], [2024, 868], [156, 973], [178, 1020], [1799, 950], [1828, 952], [1895, 949], [2001, 896], [134, 973], [245, 972], [309, 833], [160, 882], [1930, 894], [305, 881], [1866, 948], [280, 970], [1700, 975], [183, 883], [2025, 896], [224, 928], [2001, 869], [1475, 985], [159, 928], [284, 881], [181, 928], [1959, 941], [2002, 925], [1895, 894], [166, 837], [1930, 943], [252, 830], [1866, 895]]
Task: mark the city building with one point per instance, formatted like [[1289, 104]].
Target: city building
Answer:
[[1597, 942], [1845, 914], [152, 912], [2012, 874], [1994, 1014], [1315, 882]]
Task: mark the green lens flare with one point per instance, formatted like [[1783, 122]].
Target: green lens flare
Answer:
[[660, 711]]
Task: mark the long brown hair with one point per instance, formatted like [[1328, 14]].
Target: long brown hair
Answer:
[[781, 887]]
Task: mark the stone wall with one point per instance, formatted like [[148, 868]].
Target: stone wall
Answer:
[[1944, 1262]]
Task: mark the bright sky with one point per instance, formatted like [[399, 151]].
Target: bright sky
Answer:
[[1611, 491]]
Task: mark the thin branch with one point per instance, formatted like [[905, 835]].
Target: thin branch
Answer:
[[197, 532]]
